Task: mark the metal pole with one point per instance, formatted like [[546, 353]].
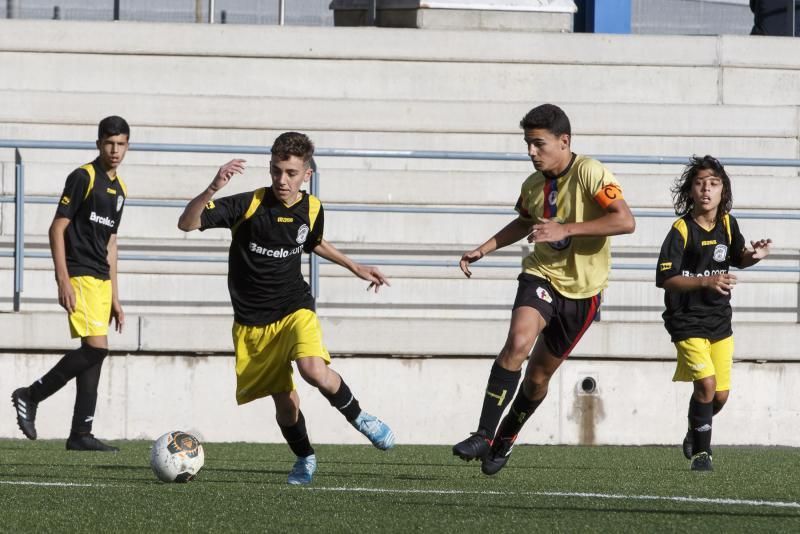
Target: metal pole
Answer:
[[792, 15], [116, 9], [12, 9], [198, 11], [372, 13], [211, 11], [19, 227], [313, 260], [281, 12]]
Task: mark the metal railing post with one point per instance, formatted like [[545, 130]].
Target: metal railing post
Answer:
[[313, 260], [281, 12], [372, 13], [19, 227], [211, 11]]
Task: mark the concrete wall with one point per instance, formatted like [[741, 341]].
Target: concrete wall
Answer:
[[424, 401], [156, 380]]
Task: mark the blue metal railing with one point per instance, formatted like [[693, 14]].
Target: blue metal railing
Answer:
[[19, 199]]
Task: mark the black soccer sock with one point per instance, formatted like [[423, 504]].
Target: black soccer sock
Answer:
[[85, 399], [297, 437], [700, 417], [344, 401], [499, 392], [521, 410], [73, 363]]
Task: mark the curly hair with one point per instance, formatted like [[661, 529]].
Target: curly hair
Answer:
[[290, 144], [682, 188]]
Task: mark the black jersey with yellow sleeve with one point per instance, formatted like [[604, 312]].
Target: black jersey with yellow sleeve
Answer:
[[691, 250], [93, 203], [264, 275]]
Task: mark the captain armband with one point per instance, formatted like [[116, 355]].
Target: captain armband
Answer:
[[608, 194]]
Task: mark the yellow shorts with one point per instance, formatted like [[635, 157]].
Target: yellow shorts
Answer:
[[92, 306], [700, 358], [264, 354]]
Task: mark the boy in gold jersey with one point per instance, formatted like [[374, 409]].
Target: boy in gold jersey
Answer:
[[83, 242], [569, 207], [275, 323]]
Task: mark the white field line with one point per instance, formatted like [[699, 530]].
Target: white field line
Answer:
[[60, 484], [580, 495]]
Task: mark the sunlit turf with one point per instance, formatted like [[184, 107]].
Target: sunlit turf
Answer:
[[242, 488]]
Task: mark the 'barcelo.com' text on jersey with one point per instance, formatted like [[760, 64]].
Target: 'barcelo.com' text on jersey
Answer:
[[93, 203], [691, 250], [264, 276]]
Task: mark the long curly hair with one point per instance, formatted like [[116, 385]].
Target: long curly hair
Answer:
[[682, 188]]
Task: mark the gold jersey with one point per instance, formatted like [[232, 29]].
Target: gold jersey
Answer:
[[577, 267]]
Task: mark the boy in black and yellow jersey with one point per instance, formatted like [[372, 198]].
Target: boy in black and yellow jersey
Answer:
[[83, 242], [569, 207], [274, 319], [694, 270]]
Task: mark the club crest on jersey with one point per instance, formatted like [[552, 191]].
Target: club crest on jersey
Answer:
[[302, 234], [544, 295], [720, 253], [552, 197], [120, 200]]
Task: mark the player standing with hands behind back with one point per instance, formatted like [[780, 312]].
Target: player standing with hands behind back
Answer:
[[694, 270]]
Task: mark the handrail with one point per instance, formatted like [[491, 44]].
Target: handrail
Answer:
[[393, 208], [377, 153], [20, 199]]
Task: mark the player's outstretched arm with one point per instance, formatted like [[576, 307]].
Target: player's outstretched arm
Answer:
[[371, 274], [117, 315], [760, 250], [509, 234], [190, 218], [58, 248]]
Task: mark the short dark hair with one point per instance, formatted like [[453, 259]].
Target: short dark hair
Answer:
[[549, 117], [111, 126], [682, 188], [290, 144]]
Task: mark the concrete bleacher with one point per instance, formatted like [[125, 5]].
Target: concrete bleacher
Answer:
[[368, 88]]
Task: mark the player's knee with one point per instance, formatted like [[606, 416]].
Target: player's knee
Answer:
[[286, 409], [517, 347], [313, 370]]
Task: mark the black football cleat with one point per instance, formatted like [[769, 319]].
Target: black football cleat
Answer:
[[701, 462], [26, 411], [498, 456], [476, 446], [87, 442]]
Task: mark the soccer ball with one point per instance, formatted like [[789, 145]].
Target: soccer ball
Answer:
[[176, 456]]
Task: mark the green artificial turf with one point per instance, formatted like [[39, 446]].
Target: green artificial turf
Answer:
[[242, 488]]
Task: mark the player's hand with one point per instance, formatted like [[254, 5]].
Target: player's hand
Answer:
[[66, 296], [761, 248], [721, 283], [117, 316], [373, 275], [226, 172], [547, 231], [469, 257]]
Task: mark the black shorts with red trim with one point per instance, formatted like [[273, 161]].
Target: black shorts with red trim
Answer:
[[566, 319]]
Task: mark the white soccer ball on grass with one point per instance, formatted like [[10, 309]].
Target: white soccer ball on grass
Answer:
[[177, 456]]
